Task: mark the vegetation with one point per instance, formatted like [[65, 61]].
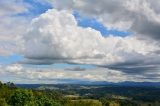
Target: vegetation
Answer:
[[13, 96], [78, 95]]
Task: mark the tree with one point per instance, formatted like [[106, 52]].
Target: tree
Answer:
[[1, 84], [45, 101], [22, 98]]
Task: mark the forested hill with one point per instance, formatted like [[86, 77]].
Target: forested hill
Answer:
[[78, 95]]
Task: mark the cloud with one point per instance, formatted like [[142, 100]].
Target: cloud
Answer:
[[138, 16], [78, 68], [55, 37], [12, 26], [16, 73], [140, 64], [11, 31], [12, 7]]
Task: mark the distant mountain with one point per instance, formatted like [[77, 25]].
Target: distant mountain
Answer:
[[128, 83], [98, 83]]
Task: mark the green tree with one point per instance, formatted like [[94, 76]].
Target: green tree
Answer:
[[45, 101], [22, 98]]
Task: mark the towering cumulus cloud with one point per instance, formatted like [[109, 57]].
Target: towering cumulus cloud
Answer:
[[55, 37]]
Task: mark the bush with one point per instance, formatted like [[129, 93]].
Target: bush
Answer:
[[22, 98], [44, 101], [3, 102]]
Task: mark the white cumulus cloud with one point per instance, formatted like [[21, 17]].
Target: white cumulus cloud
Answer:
[[55, 37]]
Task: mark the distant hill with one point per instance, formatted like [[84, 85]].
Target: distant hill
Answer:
[[148, 84], [99, 83]]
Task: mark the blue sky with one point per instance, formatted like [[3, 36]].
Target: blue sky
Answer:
[[36, 8], [93, 23], [10, 59]]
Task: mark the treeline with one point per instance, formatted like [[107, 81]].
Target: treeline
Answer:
[[10, 95]]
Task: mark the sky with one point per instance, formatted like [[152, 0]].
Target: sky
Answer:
[[73, 41]]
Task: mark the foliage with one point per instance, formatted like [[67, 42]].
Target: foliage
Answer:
[[44, 101], [21, 98], [10, 95], [3, 102], [24, 97], [84, 103]]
